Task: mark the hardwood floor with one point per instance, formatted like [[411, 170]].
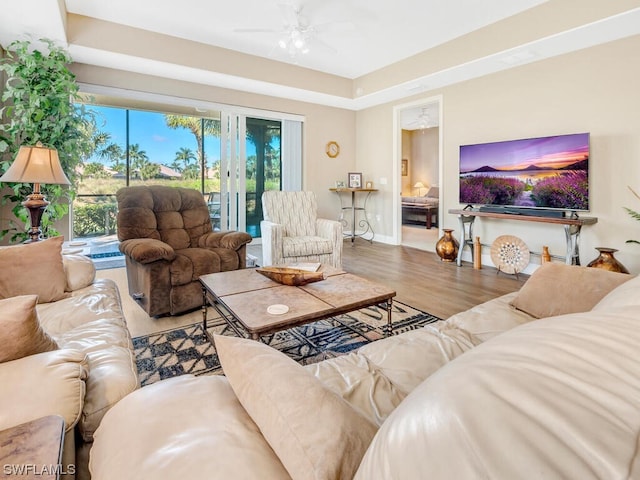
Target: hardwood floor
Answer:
[[419, 278], [423, 281]]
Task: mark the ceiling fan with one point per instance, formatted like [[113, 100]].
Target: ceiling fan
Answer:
[[423, 120], [298, 34]]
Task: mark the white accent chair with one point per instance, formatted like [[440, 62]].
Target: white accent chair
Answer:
[[292, 231]]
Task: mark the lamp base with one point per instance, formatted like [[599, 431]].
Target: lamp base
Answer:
[[36, 204]]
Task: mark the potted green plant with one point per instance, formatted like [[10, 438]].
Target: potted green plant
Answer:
[[40, 104], [633, 213]]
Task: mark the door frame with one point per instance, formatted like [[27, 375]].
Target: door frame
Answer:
[[397, 162]]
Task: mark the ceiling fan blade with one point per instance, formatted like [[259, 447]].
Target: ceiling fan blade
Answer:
[[315, 41], [290, 13], [256, 30], [335, 27]]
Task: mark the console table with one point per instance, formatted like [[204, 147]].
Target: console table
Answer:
[[572, 226], [353, 208]]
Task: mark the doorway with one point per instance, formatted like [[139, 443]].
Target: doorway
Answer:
[[419, 163]]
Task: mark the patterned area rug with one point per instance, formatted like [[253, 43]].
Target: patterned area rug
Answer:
[[188, 350]]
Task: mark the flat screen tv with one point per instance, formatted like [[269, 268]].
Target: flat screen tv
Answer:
[[542, 173]]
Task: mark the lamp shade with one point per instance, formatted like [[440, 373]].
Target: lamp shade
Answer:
[[419, 185], [36, 164]]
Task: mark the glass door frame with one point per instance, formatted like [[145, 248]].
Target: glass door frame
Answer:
[[236, 157]]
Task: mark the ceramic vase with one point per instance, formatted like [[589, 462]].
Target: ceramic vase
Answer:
[[546, 256], [447, 246], [607, 261]]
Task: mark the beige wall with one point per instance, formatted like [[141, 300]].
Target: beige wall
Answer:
[[424, 146], [420, 148], [593, 90], [406, 149]]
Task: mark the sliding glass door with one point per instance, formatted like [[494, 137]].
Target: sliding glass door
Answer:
[[230, 157]]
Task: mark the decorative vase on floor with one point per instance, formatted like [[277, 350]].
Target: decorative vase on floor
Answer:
[[607, 261], [447, 246]]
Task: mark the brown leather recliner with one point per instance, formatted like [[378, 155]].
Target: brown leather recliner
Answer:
[[165, 234]]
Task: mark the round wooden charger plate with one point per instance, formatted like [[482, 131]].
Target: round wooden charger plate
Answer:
[[510, 254]]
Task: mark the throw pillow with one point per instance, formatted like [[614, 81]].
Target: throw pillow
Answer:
[[20, 332], [314, 431], [33, 269], [557, 289]]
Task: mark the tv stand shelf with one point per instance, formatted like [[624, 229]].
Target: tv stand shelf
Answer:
[[572, 226]]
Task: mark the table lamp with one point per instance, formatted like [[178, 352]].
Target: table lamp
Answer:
[[36, 164], [419, 186]]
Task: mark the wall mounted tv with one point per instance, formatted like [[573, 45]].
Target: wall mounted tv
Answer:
[[533, 173]]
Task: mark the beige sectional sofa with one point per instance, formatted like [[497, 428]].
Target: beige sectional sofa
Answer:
[[91, 368], [549, 389]]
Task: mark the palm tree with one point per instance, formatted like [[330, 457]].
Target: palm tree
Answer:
[[103, 148], [115, 154], [186, 156], [138, 159], [176, 165], [196, 126]]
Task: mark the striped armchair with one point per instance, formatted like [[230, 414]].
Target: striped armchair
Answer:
[[292, 232]]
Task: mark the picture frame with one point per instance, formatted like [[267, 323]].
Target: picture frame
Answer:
[[405, 167], [369, 184], [355, 180], [339, 184]]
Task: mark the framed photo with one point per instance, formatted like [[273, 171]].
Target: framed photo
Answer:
[[369, 184], [405, 167], [339, 184], [355, 180]]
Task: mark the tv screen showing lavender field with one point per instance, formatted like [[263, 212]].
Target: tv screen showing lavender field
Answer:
[[547, 172]]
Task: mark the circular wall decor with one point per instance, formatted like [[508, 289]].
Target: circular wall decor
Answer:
[[509, 254], [332, 149]]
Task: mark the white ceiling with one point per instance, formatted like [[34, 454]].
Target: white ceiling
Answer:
[[356, 37]]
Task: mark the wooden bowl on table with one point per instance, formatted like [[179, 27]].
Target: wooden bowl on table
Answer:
[[290, 276]]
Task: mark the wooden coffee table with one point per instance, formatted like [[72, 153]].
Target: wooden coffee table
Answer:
[[244, 296]]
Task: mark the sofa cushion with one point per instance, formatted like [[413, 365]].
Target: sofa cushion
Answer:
[[107, 345], [49, 383], [314, 432], [182, 428], [361, 383], [33, 269], [305, 246], [20, 332], [91, 320], [557, 289], [555, 398], [625, 295], [406, 360], [490, 318], [80, 271]]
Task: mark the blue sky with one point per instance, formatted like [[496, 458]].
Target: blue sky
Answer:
[[149, 130]]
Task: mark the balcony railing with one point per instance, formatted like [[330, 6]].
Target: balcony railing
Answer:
[[95, 215]]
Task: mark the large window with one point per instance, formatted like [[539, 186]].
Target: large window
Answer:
[[142, 147]]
